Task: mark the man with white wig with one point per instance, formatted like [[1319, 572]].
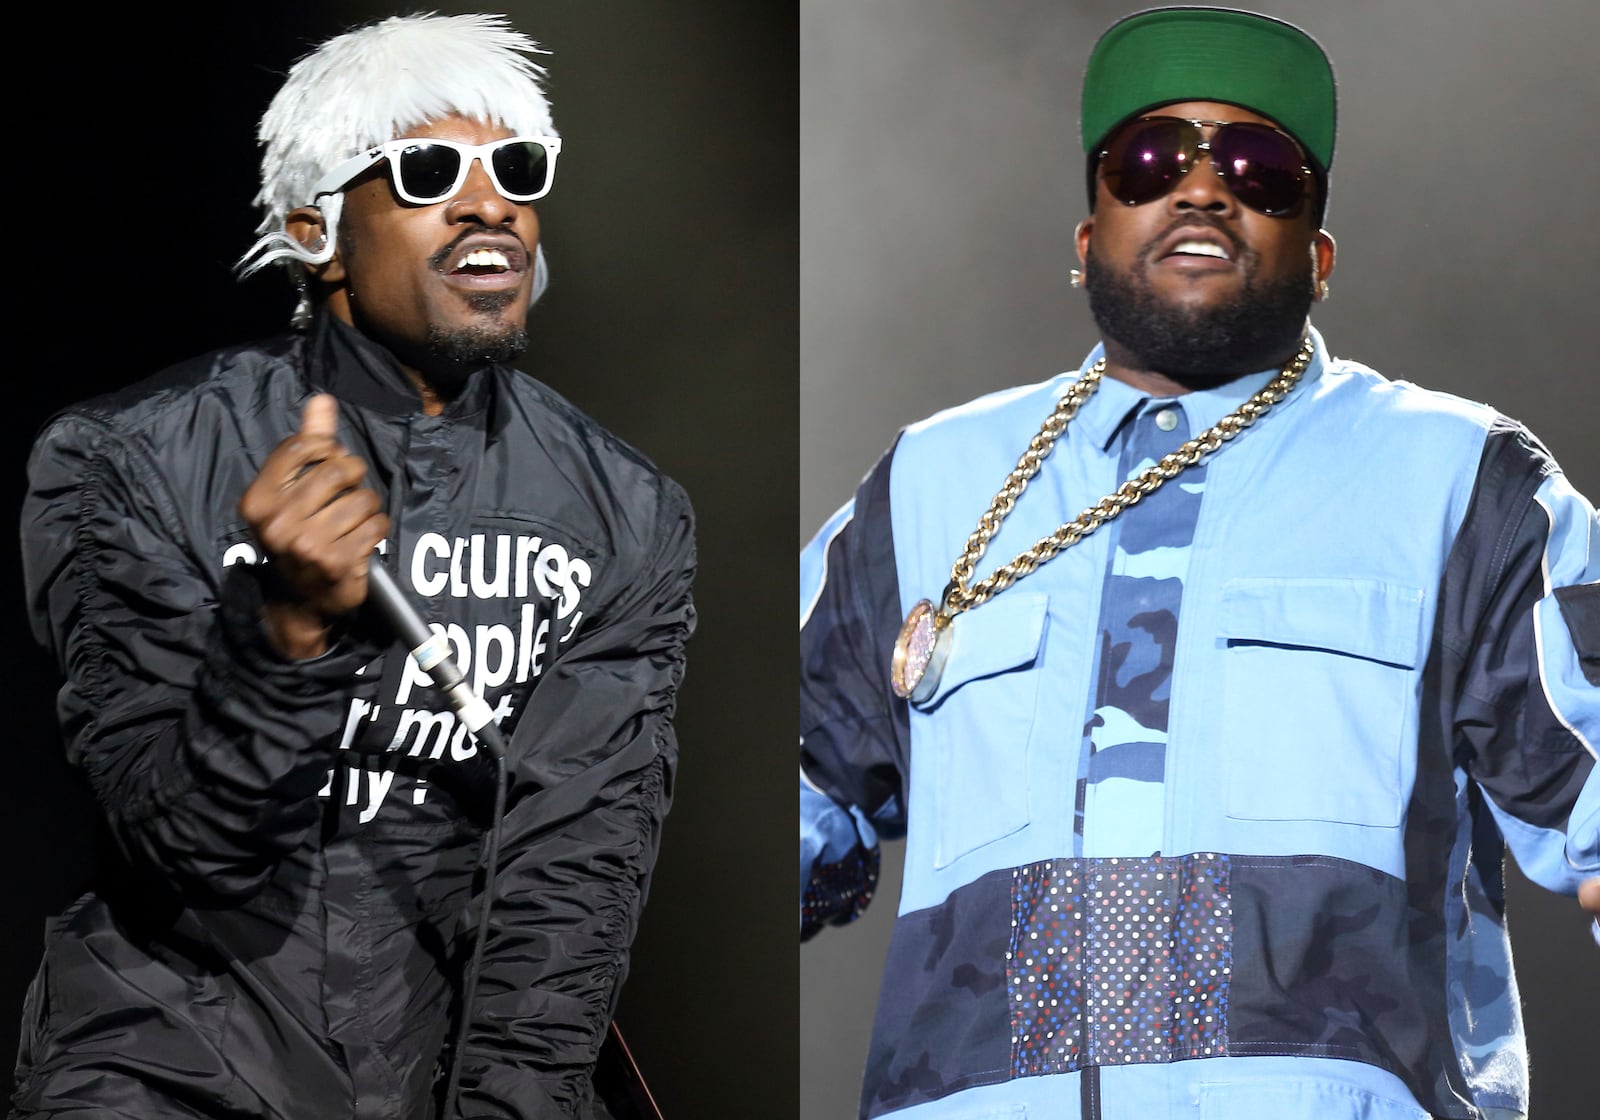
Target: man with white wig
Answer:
[[329, 887]]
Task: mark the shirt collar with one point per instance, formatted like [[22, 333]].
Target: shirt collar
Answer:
[[354, 368], [1103, 414]]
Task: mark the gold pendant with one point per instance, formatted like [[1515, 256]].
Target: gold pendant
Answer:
[[920, 653]]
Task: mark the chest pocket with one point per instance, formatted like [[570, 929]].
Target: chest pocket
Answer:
[[979, 724], [1320, 687]]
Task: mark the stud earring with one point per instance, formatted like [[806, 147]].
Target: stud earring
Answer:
[[1075, 278], [1322, 290]]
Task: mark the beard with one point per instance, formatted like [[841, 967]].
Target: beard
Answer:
[[489, 339], [454, 352], [1200, 347]]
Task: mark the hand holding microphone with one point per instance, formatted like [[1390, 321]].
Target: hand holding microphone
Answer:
[[318, 521], [321, 525]]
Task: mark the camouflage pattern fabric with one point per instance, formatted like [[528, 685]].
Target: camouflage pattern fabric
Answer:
[[1122, 761]]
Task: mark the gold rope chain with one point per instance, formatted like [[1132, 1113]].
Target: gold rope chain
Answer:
[[959, 597]]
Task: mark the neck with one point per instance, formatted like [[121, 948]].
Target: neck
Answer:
[[1127, 367], [394, 376], [432, 401]]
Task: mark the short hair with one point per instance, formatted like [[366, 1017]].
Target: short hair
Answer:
[[368, 85]]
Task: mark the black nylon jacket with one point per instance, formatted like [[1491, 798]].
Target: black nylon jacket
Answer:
[[289, 883]]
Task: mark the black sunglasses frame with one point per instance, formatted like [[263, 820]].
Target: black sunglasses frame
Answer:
[[1187, 156]]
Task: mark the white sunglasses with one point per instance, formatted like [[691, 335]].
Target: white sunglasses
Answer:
[[425, 171]]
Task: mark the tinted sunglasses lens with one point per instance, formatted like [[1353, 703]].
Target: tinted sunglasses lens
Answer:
[[427, 172], [1145, 159], [523, 168], [1261, 166]]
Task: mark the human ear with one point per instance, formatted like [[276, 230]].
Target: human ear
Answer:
[[307, 225], [1323, 251], [1322, 254], [1080, 239]]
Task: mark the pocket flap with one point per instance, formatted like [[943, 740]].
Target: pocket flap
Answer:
[[1002, 634], [1363, 617]]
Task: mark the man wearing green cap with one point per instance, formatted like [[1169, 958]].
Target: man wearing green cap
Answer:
[[1206, 683]]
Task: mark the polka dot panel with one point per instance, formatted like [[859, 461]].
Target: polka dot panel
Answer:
[[1118, 962], [1129, 953], [1044, 967], [1202, 958]]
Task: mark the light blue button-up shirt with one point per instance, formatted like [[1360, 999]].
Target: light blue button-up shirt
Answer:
[[1388, 611]]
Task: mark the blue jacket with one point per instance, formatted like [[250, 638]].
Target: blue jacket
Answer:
[[1385, 670]]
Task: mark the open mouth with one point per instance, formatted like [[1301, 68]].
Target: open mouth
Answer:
[[486, 266], [1195, 248], [484, 262]]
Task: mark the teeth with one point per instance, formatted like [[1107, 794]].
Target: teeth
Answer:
[[1202, 249], [486, 258]]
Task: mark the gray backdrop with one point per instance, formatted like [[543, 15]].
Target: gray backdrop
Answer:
[[940, 181]]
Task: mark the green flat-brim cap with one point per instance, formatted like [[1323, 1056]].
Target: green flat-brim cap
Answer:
[[1256, 62]]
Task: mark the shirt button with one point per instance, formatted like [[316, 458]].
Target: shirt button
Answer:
[[1166, 419]]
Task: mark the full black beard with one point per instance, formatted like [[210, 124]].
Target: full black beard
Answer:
[[454, 353], [1199, 348]]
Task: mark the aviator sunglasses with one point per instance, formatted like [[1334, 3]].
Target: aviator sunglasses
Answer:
[[1263, 166], [425, 171]]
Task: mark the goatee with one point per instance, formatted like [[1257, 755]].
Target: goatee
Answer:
[[1199, 347], [457, 351]]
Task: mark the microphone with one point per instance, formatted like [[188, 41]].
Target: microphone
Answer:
[[431, 652]]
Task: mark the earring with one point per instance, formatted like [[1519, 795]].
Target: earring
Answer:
[[1075, 278], [1322, 290]]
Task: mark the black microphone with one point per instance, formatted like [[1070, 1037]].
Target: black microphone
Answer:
[[431, 652]]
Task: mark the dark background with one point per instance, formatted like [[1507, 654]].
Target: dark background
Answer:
[[672, 317], [941, 178]]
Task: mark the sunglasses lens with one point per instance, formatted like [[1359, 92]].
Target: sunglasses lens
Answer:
[[1145, 159], [427, 172], [1261, 166], [523, 168]]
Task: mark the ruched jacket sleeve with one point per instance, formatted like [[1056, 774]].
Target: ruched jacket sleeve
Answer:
[[285, 901], [204, 748], [592, 764]]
